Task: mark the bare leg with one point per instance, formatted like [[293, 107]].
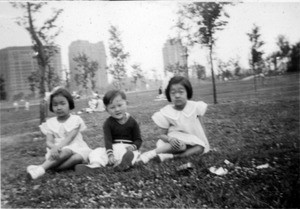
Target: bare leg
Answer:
[[190, 151], [63, 156], [166, 148], [70, 162]]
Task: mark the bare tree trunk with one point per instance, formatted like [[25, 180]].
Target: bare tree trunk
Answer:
[[186, 55], [213, 75], [254, 74], [41, 63]]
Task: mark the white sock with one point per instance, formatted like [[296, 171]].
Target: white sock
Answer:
[[153, 153], [165, 156], [94, 165]]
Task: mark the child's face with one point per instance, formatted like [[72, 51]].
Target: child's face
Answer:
[[117, 108], [178, 96], [60, 106]]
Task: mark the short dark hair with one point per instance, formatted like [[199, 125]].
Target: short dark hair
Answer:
[[65, 93], [110, 95], [179, 80]]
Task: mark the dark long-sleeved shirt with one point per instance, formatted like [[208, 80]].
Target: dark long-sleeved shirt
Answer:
[[115, 132]]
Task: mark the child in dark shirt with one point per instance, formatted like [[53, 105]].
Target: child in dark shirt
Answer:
[[122, 136]]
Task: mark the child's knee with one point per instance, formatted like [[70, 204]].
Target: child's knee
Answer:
[[65, 153], [179, 146], [77, 158], [201, 149]]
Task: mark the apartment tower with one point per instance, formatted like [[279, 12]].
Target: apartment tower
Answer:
[[16, 65], [174, 53], [95, 52]]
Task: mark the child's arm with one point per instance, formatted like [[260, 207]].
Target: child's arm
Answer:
[[162, 134], [51, 145], [108, 143], [202, 123], [69, 138], [136, 137], [50, 141]]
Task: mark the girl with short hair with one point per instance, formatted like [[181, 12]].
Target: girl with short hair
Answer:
[[181, 124], [65, 145]]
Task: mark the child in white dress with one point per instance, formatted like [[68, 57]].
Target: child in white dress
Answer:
[[65, 145], [181, 124]]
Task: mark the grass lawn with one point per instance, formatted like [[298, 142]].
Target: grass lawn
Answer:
[[245, 128]]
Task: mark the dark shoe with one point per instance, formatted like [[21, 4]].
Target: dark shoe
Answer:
[[157, 159], [126, 162], [85, 169]]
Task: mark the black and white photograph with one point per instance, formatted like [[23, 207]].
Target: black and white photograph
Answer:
[[150, 104]]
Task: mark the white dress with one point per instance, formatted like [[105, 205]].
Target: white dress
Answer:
[[61, 130], [184, 125]]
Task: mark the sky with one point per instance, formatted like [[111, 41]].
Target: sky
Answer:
[[146, 25]]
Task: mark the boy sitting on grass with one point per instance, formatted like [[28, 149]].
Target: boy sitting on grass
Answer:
[[122, 137]]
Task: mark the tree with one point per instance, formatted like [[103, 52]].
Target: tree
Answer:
[[256, 59], [43, 41], [34, 80], [237, 68], [119, 57], [294, 64], [201, 73], [199, 23], [176, 69], [224, 68], [51, 79], [284, 46], [137, 73], [271, 59], [18, 96], [180, 67], [2, 88], [67, 76], [86, 71]]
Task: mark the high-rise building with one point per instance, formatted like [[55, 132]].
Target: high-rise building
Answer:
[[16, 65], [95, 52], [174, 53]]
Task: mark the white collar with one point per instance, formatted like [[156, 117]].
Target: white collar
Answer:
[[174, 114]]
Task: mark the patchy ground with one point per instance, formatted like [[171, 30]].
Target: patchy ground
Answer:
[[246, 128]]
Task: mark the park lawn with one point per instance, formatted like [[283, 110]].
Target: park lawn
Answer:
[[248, 130]]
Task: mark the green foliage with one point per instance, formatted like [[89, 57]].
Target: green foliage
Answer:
[[18, 96], [237, 68], [119, 57], [256, 60], [200, 71], [229, 69], [284, 46], [86, 71], [42, 36], [2, 88], [176, 69], [198, 23], [137, 73], [294, 64], [51, 79], [256, 51], [223, 68]]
